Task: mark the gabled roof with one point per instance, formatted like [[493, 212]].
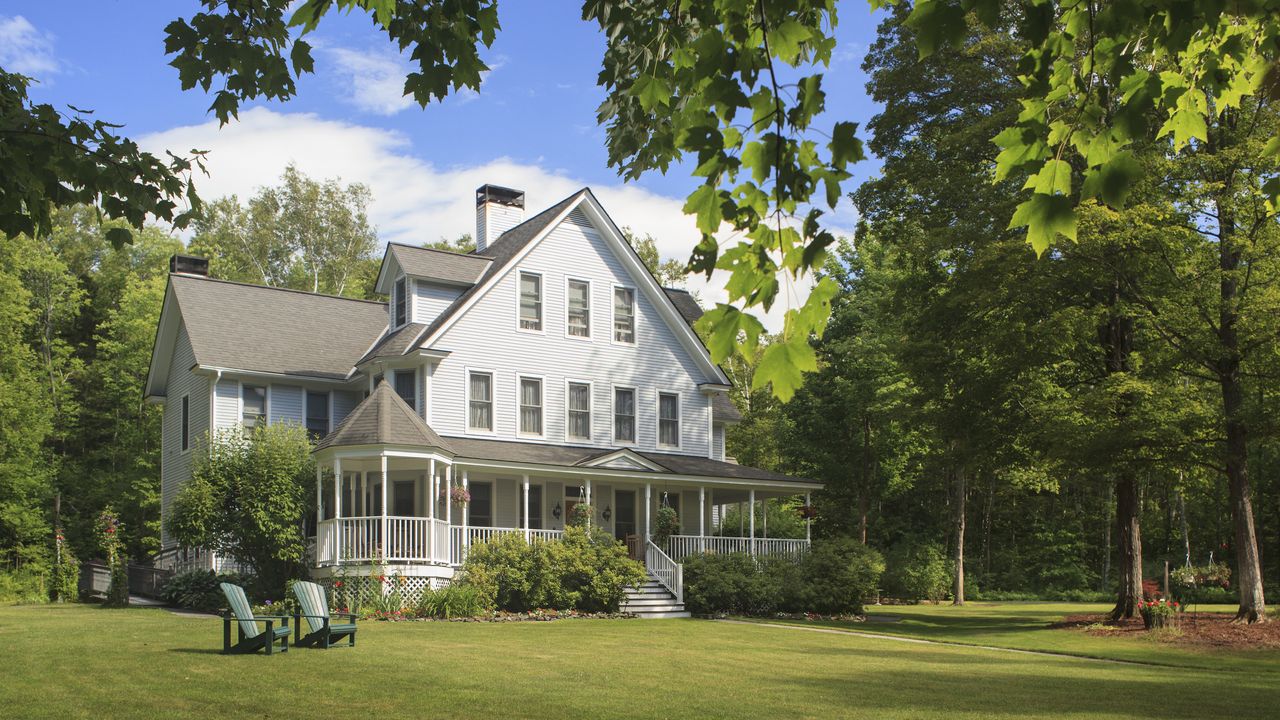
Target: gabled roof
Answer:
[[383, 419], [395, 343], [274, 330], [723, 410], [507, 246], [624, 458], [689, 308], [439, 265]]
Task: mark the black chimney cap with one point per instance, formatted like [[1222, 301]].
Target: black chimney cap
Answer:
[[189, 265], [500, 195]]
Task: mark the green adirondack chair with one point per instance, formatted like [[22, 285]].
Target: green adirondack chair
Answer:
[[315, 610], [251, 637]]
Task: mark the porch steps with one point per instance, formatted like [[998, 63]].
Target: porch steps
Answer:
[[651, 600]]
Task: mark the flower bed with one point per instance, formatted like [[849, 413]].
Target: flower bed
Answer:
[[501, 617], [1158, 614]]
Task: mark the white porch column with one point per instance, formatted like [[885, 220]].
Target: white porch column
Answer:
[[431, 509], [702, 518], [364, 493], [319, 506], [592, 516], [525, 523], [648, 501], [808, 521], [764, 515], [385, 537], [742, 521], [448, 494], [466, 517], [337, 511], [751, 495]]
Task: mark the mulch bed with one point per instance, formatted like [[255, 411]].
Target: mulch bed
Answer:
[[505, 617], [1195, 629]]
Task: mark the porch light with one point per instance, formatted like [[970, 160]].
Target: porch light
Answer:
[[607, 513], [556, 512]]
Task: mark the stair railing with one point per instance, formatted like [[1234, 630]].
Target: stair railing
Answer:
[[668, 572]]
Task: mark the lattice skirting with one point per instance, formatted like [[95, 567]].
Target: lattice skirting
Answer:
[[359, 591]]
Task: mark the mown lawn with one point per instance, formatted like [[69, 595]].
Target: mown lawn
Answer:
[[81, 661], [1028, 626]]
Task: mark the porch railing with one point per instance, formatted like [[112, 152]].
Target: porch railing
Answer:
[[409, 539], [682, 546], [668, 572], [476, 535]]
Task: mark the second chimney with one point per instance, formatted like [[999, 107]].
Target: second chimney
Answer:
[[498, 209]]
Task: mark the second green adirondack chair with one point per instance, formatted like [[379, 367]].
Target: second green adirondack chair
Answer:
[[315, 610], [251, 637]]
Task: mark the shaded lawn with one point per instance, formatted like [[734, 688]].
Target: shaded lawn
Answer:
[[1027, 626], [79, 661]]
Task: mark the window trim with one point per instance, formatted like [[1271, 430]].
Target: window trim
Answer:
[[590, 336], [613, 312], [184, 428], [591, 402], [493, 401], [657, 439], [542, 301], [328, 415], [400, 293], [542, 384], [635, 415]]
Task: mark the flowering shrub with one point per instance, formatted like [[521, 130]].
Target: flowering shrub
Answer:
[[109, 538], [64, 585], [1159, 613], [460, 495]]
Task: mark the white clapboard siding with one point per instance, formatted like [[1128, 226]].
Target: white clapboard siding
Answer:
[[486, 338], [431, 299], [175, 465], [228, 403], [717, 442], [343, 403], [286, 404]]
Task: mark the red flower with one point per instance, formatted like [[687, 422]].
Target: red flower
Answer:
[[338, 584], [1175, 603], [111, 529]]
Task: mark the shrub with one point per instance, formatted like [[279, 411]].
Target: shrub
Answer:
[[198, 590], [587, 570], [23, 585], [920, 572], [839, 573], [722, 583], [64, 579], [456, 600]]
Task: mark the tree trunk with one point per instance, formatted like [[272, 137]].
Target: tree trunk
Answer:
[[1253, 606], [1186, 528], [1129, 534], [864, 493], [958, 553]]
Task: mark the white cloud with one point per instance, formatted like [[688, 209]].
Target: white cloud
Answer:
[[26, 50], [413, 200], [373, 81]]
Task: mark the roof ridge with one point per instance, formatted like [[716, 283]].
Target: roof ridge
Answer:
[[438, 250], [206, 278]]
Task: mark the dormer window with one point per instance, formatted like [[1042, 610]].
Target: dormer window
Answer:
[[530, 302], [401, 302]]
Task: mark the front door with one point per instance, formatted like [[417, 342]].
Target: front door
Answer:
[[624, 514]]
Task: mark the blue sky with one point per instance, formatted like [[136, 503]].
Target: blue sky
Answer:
[[531, 126]]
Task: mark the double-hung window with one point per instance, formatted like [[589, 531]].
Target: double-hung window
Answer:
[[530, 302], [578, 308], [253, 403], [186, 423], [579, 405], [624, 415], [402, 303], [624, 315], [480, 401], [406, 386], [318, 414], [530, 406], [669, 419]]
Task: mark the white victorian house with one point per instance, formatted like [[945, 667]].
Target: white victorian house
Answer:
[[545, 369]]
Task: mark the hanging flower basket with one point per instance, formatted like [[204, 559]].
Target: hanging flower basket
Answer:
[[581, 515], [460, 495], [808, 512]]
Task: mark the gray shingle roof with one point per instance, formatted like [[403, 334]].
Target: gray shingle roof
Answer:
[[570, 455], [396, 343], [502, 250], [442, 265], [689, 308], [723, 409], [265, 329], [383, 419]]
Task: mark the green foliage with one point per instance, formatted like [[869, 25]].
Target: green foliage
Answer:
[[838, 574], [198, 590], [25, 585], [247, 499], [918, 572], [580, 516], [64, 572], [587, 570], [669, 272], [665, 524], [52, 160], [455, 600]]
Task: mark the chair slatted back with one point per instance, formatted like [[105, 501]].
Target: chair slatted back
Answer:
[[240, 608], [312, 601]]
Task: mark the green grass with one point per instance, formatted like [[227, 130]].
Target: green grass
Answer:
[[1026, 626], [79, 661]]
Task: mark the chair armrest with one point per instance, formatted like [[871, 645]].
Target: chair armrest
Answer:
[[272, 617]]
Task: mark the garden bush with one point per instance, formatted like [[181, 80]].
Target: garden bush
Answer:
[[918, 572], [459, 599], [198, 590], [587, 570], [839, 574]]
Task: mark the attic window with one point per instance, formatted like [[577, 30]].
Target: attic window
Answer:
[[401, 303]]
